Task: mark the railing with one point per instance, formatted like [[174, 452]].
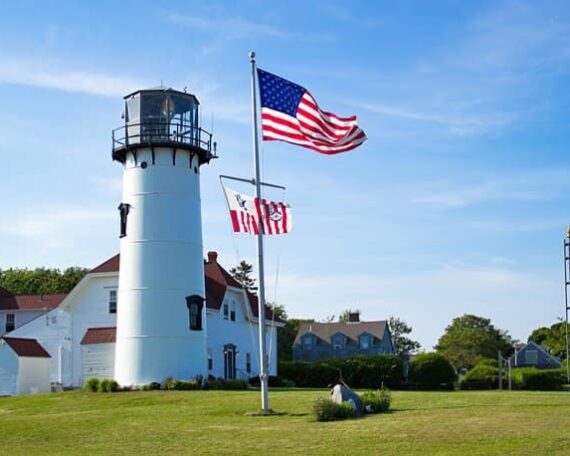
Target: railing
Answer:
[[157, 133]]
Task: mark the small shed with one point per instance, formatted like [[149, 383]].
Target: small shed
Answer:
[[98, 353], [24, 367]]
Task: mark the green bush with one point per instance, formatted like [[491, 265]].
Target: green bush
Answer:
[[181, 385], [325, 409], [376, 401], [543, 380], [358, 371], [104, 386], [273, 381], [151, 386], [108, 386], [219, 384], [488, 362], [481, 377], [91, 385], [431, 371]]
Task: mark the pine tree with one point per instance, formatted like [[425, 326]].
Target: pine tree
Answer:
[[242, 273]]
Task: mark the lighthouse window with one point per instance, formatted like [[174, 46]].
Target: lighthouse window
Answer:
[[124, 212], [195, 304], [112, 301]]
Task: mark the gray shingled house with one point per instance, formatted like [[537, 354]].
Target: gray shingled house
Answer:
[[316, 341]]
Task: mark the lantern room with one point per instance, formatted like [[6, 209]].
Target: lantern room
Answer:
[[162, 117]]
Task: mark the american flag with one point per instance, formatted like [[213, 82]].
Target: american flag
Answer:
[[290, 113], [246, 211]]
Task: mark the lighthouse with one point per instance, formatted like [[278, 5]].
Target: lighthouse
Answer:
[[161, 315]]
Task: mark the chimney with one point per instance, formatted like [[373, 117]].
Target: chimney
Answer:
[[354, 317], [212, 257]]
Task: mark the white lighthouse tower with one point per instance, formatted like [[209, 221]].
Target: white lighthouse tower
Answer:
[[161, 319]]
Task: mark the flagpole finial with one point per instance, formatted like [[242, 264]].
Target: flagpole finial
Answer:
[[252, 55]]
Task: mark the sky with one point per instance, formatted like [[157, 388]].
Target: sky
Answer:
[[456, 204]]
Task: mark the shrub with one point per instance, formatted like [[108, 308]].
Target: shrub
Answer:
[[376, 401], [273, 381], [543, 380], [91, 385], [220, 384], [488, 362], [151, 386], [481, 377], [358, 371], [180, 385], [104, 386], [431, 371], [325, 409]]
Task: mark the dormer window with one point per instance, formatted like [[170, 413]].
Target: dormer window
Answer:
[[364, 341], [195, 305], [123, 212], [307, 341], [337, 341]]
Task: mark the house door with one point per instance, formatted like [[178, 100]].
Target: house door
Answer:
[[229, 362]]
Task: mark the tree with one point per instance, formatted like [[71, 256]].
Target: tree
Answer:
[[345, 316], [242, 273], [553, 339], [40, 280], [402, 344], [469, 338]]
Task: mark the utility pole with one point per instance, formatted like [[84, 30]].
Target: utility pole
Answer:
[[566, 305]]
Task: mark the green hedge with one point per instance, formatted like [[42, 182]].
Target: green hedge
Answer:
[[357, 371], [544, 380], [431, 371], [481, 377], [324, 409]]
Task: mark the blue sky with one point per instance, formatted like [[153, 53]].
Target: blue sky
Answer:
[[457, 202]]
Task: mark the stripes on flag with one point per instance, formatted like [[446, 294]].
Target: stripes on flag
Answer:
[[290, 113], [246, 211]]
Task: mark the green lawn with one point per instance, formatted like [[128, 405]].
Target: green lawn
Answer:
[[214, 422]]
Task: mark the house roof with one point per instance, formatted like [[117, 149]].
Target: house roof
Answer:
[[111, 265], [27, 347], [9, 301], [106, 335], [325, 331], [217, 281]]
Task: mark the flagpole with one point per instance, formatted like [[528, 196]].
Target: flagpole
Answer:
[[260, 271]]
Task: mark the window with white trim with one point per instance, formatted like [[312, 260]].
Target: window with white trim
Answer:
[[226, 310], [112, 301], [364, 341], [233, 310], [338, 342], [307, 342], [248, 363]]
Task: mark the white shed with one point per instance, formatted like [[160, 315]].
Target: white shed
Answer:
[[24, 367]]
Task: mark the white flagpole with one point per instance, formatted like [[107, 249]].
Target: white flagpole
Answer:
[[263, 374]]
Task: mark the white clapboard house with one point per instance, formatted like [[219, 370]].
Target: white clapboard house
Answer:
[[78, 330]]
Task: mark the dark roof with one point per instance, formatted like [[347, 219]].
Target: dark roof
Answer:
[[27, 347], [217, 280], [9, 301], [325, 331], [106, 335], [111, 265]]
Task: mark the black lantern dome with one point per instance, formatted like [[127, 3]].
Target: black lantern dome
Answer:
[[162, 117]]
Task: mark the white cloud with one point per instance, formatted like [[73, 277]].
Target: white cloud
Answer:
[[41, 73], [56, 226], [539, 185], [231, 27]]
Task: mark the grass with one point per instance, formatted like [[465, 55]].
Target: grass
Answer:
[[215, 422]]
